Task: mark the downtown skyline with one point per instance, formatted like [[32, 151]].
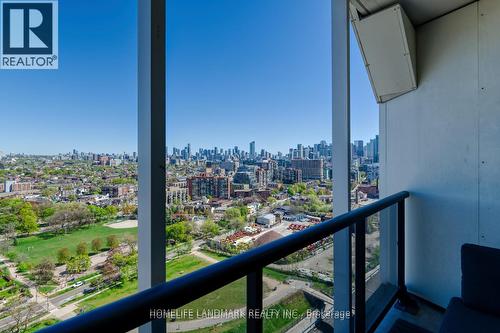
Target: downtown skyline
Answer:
[[171, 149]]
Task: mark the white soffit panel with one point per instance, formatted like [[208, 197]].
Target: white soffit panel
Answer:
[[419, 11], [387, 43]]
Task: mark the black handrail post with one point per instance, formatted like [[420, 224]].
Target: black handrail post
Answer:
[[254, 302], [360, 277], [401, 248], [405, 302]]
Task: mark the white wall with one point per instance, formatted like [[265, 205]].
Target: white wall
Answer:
[[442, 143]]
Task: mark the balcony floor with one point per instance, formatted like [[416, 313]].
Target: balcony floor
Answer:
[[429, 317]]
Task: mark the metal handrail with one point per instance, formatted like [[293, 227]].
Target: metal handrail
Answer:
[[136, 310]]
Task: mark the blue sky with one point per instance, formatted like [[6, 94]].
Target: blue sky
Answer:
[[237, 71]]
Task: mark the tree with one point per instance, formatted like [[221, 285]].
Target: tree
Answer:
[[271, 200], [111, 211], [44, 272], [45, 210], [82, 249], [232, 213], [96, 245], [21, 311], [8, 229], [177, 232], [209, 229], [97, 212], [112, 241], [110, 272], [63, 255], [244, 211], [131, 243], [49, 192], [69, 216], [236, 224], [27, 223], [78, 264], [129, 209]]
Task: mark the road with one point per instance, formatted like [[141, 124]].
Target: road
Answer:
[[59, 300], [37, 310]]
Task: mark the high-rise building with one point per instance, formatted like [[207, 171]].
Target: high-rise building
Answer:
[[359, 147], [261, 176], [311, 169], [252, 149], [209, 186], [376, 158], [300, 151], [369, 150]]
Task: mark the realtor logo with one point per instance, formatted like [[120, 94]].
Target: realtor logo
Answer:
[[29, 34]]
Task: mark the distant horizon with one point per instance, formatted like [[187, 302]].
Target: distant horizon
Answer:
[[193, 149]]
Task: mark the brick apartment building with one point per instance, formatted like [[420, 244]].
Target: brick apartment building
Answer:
[[209, 186]]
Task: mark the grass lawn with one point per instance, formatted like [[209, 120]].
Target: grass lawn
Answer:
[[184, 265], [232, 296], [46, 245], [47, 288], [3, 282], [175, 268], [110, 295], [214, 255], [269, 272], [320, 286], [276, 275], [296, 302], [42, 324]]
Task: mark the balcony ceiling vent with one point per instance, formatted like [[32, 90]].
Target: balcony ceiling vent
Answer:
[[387, 43]]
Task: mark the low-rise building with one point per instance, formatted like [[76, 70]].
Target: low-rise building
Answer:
[[267, 220], [118, 191], [176, 195], [14, 186]]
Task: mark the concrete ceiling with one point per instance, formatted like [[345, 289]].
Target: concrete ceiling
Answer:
[[419, 11]]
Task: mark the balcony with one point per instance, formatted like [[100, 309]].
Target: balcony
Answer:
[[156, 303]]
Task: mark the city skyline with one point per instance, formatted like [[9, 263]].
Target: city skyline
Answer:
[[235, 75], [169, 149]]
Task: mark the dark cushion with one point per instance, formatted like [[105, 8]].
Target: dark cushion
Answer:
[[462, 319], [481, 278]]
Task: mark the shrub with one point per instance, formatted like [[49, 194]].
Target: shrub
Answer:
[[82, 249], [23, 267], [11, 255], [96, 245], [112, 241], [63, 255]]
